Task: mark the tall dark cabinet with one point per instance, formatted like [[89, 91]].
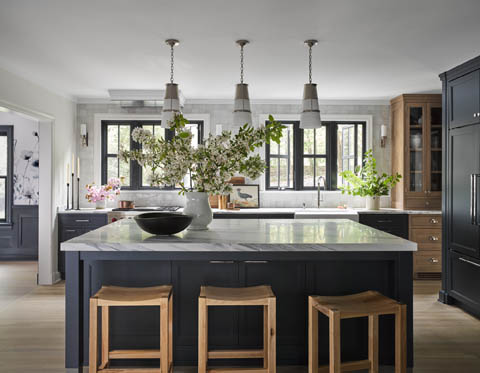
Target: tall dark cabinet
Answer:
[[461, 184]]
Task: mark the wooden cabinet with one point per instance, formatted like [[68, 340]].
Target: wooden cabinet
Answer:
[[464, 100], [417, 151], [426, 231]]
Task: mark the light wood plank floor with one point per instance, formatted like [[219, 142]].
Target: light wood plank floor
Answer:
[[447, 340]]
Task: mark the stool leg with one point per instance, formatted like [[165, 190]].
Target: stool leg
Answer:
[[401, 339], [164, 336], [334, 321], [93, 336], [272, 327], [266, 338], [170, 332], [105, 336], [202, 335], [312, 337], [373, 343]]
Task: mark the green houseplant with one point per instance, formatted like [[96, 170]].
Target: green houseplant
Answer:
[[367, 182]]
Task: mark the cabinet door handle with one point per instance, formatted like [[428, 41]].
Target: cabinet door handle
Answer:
[[82, 221], [221, 262], [433, 238], [469, 262], [384, 221], [472, 197], [70, 230], [433, 221], [256, 261], [433, 260]]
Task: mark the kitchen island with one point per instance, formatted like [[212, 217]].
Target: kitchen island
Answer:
[[296, 257]]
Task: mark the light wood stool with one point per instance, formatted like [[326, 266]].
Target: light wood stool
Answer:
[[369, 304], [249, 296], [111, 296]]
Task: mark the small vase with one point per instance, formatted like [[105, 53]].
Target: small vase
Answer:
[[101, 204], [373, 203], [198, 206]]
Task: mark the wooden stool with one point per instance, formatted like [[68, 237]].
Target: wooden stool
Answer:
[[369, 303], [249, 296], [111, 296]]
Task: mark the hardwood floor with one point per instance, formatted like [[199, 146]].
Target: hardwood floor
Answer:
[[447, 340]]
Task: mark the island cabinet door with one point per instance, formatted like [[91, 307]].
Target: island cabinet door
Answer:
[[187, 277], [287, 280]]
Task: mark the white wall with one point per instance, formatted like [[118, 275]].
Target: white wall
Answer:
[[221, 113], [24, 96], [25, 157]]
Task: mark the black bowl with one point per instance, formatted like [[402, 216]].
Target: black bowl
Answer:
[[163, 223]]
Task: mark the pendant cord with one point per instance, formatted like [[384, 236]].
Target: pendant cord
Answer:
[[310, 64], [241, 64], [171, 63]]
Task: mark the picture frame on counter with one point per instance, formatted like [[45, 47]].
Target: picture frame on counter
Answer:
[[245, 196]]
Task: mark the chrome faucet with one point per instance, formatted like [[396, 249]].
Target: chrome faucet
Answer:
[[320, 181]]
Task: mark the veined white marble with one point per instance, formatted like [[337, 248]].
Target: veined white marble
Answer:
[[399, 211], [265, 235]]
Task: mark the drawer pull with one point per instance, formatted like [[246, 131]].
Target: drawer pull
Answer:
[[433, 238], [384, 221], [433, 260], [469, 262], [221, 262], [433, 221], [82, 221], [427, 203], [70, 230], [256, 261]]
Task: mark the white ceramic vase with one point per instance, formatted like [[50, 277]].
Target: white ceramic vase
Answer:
[[373, 203], [198, 206], [101, 204]]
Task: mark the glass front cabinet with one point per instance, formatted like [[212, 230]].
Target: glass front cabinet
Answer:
[[416, 122]]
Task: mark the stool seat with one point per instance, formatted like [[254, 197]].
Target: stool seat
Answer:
[[356, 305], [251, 293], [125, 296]]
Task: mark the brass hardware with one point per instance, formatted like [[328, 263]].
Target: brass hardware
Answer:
[[433, 260], [433, 238], [433, 221]]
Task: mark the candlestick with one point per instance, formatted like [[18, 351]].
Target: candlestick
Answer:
[[68, 195], [73, 184], [78, 193]]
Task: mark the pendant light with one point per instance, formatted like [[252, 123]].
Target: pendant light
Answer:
[[241, 112], [310, 117], [171, 102]]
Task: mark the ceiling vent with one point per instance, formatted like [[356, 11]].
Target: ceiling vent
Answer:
[[140, 98]]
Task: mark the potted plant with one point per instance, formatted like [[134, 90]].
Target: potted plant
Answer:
[[367, 182], [210, 165]]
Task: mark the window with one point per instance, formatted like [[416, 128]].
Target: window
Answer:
[[303, 157], [6, 172], [117, 135]]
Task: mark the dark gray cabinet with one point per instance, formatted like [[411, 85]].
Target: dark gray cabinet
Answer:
[[464, 100], [71, 225], [464, 166], [396, 224], [19, 240]]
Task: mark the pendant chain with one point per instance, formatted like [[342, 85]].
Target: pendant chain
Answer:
[[171, 63], [310, 64], [241, 64]]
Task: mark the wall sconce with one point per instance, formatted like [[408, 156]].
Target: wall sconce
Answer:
[[383, 135], [84, 134]]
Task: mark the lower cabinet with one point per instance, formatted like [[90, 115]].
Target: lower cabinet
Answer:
[[19, 240], [396, 224], [464, 277]]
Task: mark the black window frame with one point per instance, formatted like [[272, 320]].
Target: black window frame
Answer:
[[330, 155], [136, 179], [7, 130]]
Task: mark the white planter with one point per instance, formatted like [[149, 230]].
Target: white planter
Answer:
[[373, 203], [101, 204], [198, 206]]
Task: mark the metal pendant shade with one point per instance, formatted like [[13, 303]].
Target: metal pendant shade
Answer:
[[242, 113], [310, 117], [171, 102]]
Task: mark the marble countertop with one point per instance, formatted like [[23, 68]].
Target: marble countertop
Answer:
[[399, 211], [247, 235]]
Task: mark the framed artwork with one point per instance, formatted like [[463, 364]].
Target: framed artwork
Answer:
[[246, 196]]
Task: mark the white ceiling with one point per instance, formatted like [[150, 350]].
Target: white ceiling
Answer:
[[369, 49]]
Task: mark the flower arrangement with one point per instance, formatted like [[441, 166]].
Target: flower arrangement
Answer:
[[97, 193], [366, 181], [210, 165]]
